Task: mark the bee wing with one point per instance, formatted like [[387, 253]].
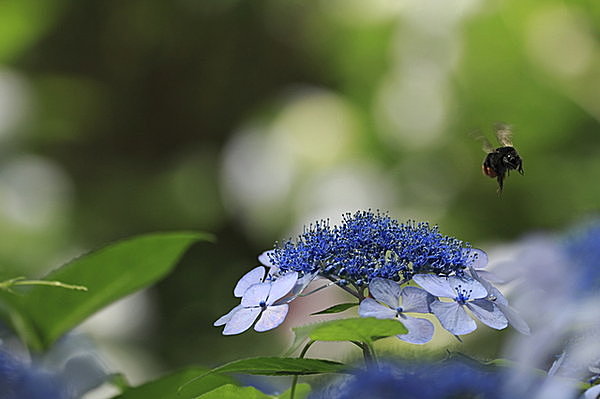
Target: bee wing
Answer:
[[504, 134], [485, 143]]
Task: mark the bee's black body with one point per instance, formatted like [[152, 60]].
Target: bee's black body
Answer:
[[501, 161]]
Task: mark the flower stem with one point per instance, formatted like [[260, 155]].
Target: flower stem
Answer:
[[345, 288], [295, 379], [7, 284], [368, 353]]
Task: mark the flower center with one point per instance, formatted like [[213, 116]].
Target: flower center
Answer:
[[463, 295], [399, 310]]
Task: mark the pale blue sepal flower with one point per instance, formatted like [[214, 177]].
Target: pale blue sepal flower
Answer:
[[478, 260], [494, 295], [254, 276], [414, 299], [225, 318], [259, 302], [265, 258], [303, 281], [592, 393], [464, 291]]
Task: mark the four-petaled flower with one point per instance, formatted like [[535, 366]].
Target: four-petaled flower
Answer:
[[463, 291], [414, 300], [260, 299]]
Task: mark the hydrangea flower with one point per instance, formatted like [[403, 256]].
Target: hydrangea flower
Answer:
[[582, 248], [17, 381], [71, 379], [448, 380], [497, 298], [367, 245], [259, 301], [464, 291], [386, 304]]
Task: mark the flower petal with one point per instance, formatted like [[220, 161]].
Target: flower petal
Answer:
[[420, 331], [272, 317], [488, 313], [264, 258], [416, 300], [491, 276], [592, 393], [476, 258], [371, 308], [514, 318], [453, 317], [241, 321], [303, 282], [225, 318], [282, 286], [468, 286], [435, 285], [386, 291], [256, 294], [254, 276], [492, 291]]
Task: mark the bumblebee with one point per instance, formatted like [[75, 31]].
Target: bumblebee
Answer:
[[500, 161]]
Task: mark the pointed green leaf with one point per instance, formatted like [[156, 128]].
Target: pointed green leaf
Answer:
[[363, 329], [167, 387], [276, 366], [336, 308], [109, 274]]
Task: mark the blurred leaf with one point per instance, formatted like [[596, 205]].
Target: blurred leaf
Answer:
[[167, 387], [363, 329], [302, 391], [277, 366], [234, 392], [336, 308], [110, 274], [23, 22]]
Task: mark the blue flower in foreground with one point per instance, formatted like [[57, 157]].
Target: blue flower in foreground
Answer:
[[464, 292], [582, 248], [447, 380], [414, 299], [368, 245], [259, 301], [21, 381]]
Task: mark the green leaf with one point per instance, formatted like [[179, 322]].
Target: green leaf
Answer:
[[167, 387], [302, 391], [275, 366], [234, 392], [363, 329], [109, 274], [336, 308]]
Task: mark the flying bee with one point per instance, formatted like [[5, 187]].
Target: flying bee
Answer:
[[500, 161]]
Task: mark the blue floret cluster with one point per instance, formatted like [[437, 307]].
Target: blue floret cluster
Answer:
[[368, 245]]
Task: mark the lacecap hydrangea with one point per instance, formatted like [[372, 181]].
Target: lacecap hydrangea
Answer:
[[371, 256]]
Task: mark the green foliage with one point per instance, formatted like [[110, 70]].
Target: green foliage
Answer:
[[336, 309], [280, 366], [360, 329], [234, 392], [42, 314], [167, 387]]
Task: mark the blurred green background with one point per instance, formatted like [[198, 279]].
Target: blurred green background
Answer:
[[249, 119]]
